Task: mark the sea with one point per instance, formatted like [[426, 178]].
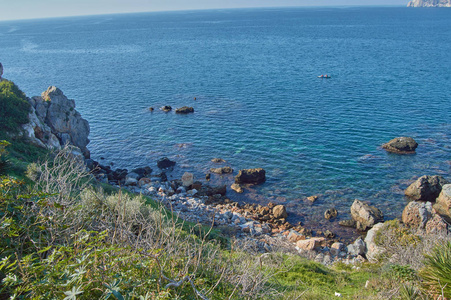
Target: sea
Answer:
[[251, 76]]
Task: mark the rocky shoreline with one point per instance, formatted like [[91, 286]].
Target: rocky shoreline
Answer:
[[54, 123]]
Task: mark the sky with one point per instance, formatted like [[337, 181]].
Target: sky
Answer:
[[32, 9]]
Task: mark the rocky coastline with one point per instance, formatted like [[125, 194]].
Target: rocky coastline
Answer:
[[54, 123], [429, 3]]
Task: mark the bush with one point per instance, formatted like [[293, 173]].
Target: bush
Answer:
[[14, 108], [3, 160], [437, 271]]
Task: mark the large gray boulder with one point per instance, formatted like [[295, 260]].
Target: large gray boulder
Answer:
[[365, 216], [401, 145], [426, 188], [443, 205], [254, 176], [54, 122]]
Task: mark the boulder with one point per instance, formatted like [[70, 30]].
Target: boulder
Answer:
[[166, 108], [330, 213], [347, 223], [365, 216], [372, 250], [144, 181], [254, 176], [417, 214], [164, 163], [443, 204], [143, 172], [311, 243], [223, 170], [207, 190], [132, 179], [401, 145], [187, 179], [279, 212], [357, 248], [312, 198], [218, 160], [436, 225], [184, 110], [237, 188], [426, 188], [337, 248]]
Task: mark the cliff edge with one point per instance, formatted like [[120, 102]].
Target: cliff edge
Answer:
[[429, 3]]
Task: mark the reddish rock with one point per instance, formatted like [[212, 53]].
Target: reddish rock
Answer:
[[310, 244], [280, 212]]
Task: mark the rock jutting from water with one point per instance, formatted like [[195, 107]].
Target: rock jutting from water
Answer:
[[166, 108], [401, 145], [365, 216], [426, 188], [184, 110], [253, 176], [429, 3]]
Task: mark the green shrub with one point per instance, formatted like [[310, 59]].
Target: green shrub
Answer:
[[436, 274], [14, 108], [3, 160]]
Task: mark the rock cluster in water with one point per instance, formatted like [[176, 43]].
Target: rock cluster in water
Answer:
[[54, 122], [429, 3]]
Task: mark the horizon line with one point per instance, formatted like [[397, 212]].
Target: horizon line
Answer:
[[199, 9]]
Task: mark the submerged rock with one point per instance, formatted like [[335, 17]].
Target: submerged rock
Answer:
[[426, 188], [237, 188], [401, 145], [254, 176], [223, 170], [330, 213]]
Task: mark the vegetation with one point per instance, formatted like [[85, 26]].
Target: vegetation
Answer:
[[65, 236], [14, 108]]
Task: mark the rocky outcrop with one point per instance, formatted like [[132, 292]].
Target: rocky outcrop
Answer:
[[443, 205], [417, 214], [184, 110], [426, 188], [254, 176], [164, 163], [372, 249], [54, 122], [365, 216], [401, 145], [429, 3]]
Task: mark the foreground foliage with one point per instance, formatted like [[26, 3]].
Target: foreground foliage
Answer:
[[63, 237]]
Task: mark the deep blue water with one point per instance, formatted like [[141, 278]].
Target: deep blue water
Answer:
[[259, 101]]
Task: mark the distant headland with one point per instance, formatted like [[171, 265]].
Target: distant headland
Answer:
[[429, 3]]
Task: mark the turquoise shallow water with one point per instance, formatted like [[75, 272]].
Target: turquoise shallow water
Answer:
[[258, 102]]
